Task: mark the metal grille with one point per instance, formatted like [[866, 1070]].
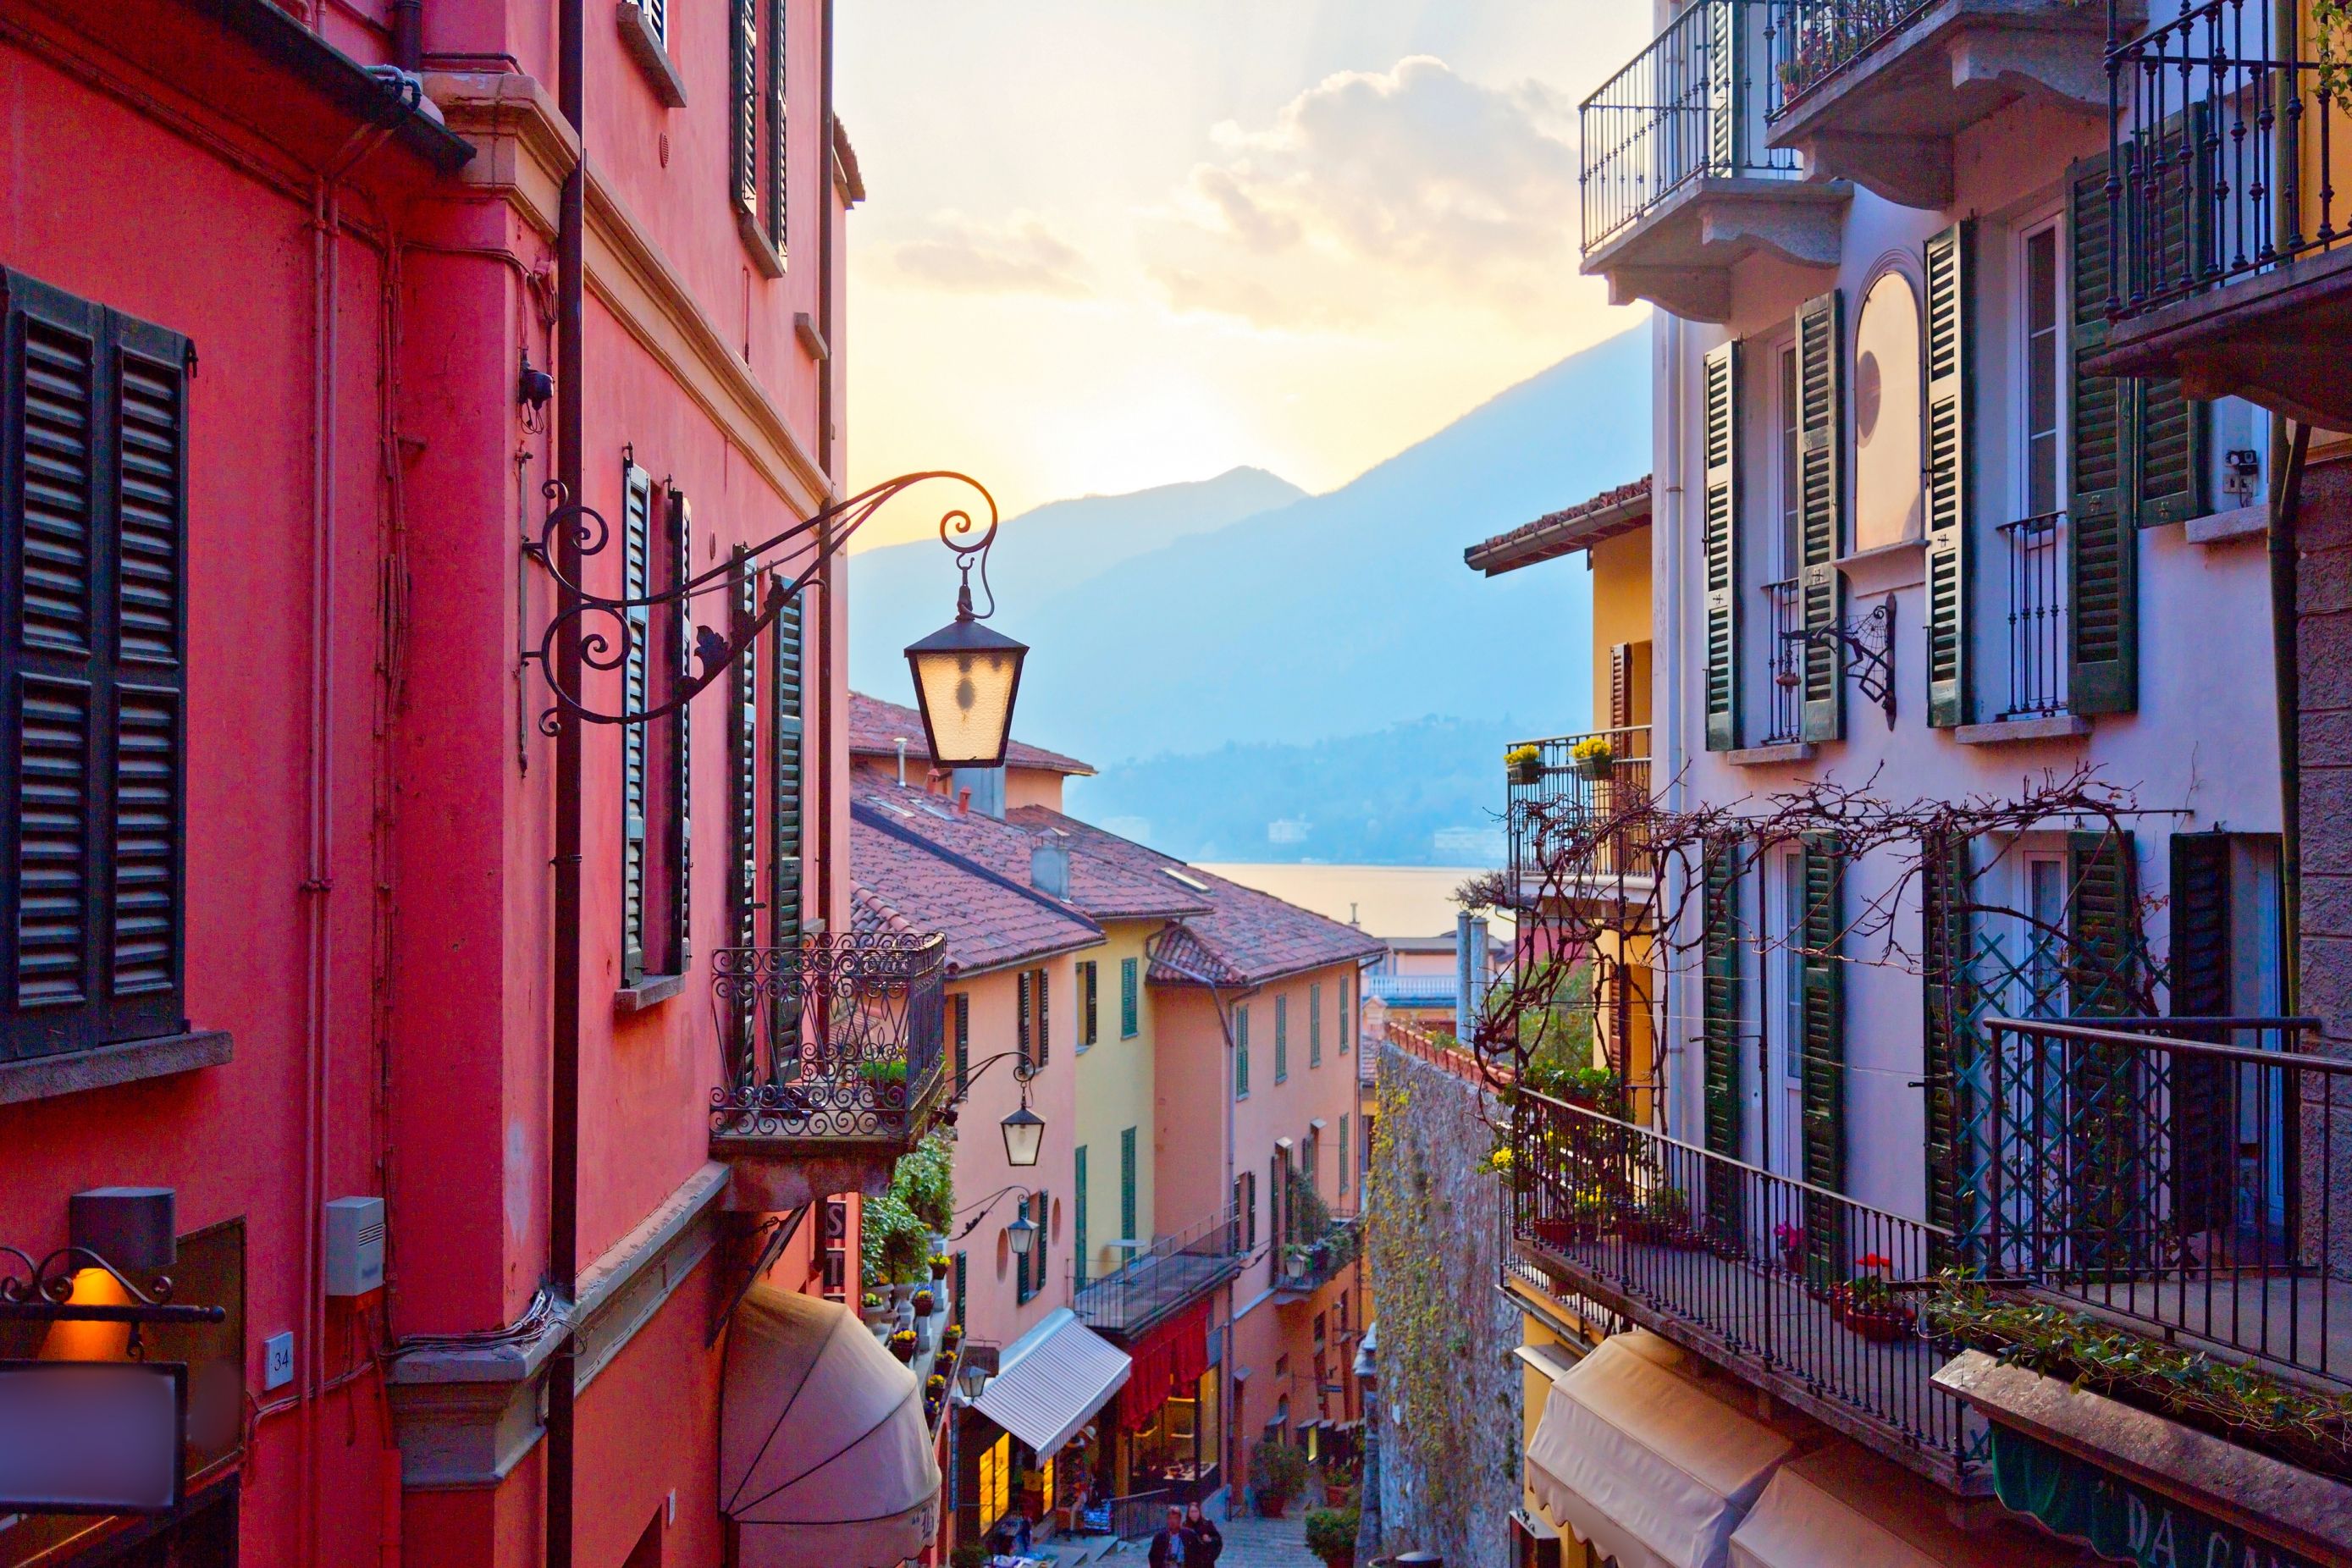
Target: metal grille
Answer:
[[1813, 41], [1785, 614], [1565, 790], [2036, 548], [845, 1037]]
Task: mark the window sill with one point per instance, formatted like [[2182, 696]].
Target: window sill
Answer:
[[764, 257], [2227, 527], [645, 46], [2008, 732], [1765, 756], [649, 991], [132, 1061], [1886, 567]]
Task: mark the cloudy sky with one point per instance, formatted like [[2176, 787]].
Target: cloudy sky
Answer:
[[1117, 243]]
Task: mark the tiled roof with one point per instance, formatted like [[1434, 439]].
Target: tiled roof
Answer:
[[910, 865], [1245, 938], [1566, 531], [876, 728]]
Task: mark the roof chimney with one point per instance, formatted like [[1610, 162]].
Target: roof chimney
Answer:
[[963, 802], [1049, 864]]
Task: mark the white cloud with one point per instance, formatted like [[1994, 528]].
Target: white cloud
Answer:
[[1373, 192], [1020, 256]]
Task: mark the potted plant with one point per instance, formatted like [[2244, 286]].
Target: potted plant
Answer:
[[902, 1344], [875, 1308], [950, 1337], [939, 1265], [925, 1303], [1866, 1302], [1331, 1535], [1279, 1473], [1525, 764], [1594, 757], [1790, 1240]]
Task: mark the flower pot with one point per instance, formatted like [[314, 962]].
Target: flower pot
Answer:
[[1527, 773], [1594, 768], [1334, 1496], [1270, 1505], [903, 1349], [1880, 1325], [903, 1292]]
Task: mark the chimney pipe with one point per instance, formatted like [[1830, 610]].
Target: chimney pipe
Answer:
[[1049, 865], [902, 761]]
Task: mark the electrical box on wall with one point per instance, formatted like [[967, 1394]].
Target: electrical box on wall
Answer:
[[354, 1246]]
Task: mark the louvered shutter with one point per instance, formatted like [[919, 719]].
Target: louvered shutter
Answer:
[[1821, 511], [743, 106], [1720, 522], [1090, 1007], [1021, 1291], [743, 770], [637, 696], [2109, 1219], [1315, 1024], [679, 829], [962, 1004], [787, 665], [1620, 686], [2103, 557], [2102, 925], [1241, 1052], [1078, 1205], [779, 157], [1025, 1001], [1822, 1059], [93, 746], [2203, 1161], [962, 1272], [2168, 430], [1719, 1018], [1281, 1038], [1127, 996], [1044, 1018], [1127, 1215], [1951, 469], [1726, 84], [1947, 951]]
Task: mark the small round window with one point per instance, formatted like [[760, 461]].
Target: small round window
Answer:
[[1886, 406]]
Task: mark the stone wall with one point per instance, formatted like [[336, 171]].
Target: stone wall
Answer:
[[1448, 1417], [2324, 633]]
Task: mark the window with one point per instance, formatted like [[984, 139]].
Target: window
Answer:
[[756, 160], [1034, 1027], [1241, 1052], [1127, 1187], [1030, 1265], [996, 1488], [1315, 1024], [1090, 1012], [959, 1007], [1244, 1211], [1790, 554], [2043, 348], [1889, 499], [1347, 1030], [92, 675], [1281, 1038], [1078, 1192], [1344, 1167], [1126, 999]]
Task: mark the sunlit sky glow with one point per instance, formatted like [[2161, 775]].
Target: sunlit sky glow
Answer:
[[1119, 243]]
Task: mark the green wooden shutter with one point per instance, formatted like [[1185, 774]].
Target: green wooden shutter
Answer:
[[962, 1268], [1126, 1216], [1127, 998], [1021, 1291], [743, 106], [1947, 950], [1822, 1060], [1951, 468], [1720, 437], [787, 672], [1090, 1004], [1045, 1019], [1078, 1200], [1821, 510], [681, 823], [962, 1005], [1726, 73], [2102, 555], [1281, 1038], [2102, 925], [1315, 1024], [1241, 1053], [1347, 1013], [2111, 1138], [1719, 997], [743, 771], [637, 694], [779, 159], [1346, 1170], [93, 437], [2203, 1161], [2168, 429], [1024, 1024]]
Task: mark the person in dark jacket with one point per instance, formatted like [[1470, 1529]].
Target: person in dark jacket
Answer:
[[1202, 1541], [1168, 1542]]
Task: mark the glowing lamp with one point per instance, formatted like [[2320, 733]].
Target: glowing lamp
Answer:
[[1024, 1132], [966, 677]]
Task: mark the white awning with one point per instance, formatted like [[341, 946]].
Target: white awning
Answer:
[[1643, 1463], [1051, 1382], [824, 1459], [1844, 1509]]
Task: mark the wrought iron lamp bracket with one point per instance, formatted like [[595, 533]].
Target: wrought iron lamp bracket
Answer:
[[1868, 643], [40, 1290]]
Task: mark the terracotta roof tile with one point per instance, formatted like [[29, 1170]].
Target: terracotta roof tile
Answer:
[[876, 727], [1566, 531], [914, 866]]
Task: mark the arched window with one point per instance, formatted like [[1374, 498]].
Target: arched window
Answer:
[[1887, 397]]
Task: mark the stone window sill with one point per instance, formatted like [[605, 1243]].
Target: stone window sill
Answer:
[[2011, 732], [645, 46], [2226, 527], [1765, 756], [132, 1061], [764, 257], [649, 991]]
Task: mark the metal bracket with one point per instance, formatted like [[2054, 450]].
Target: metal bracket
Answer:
[[1869, 646], [44, 1294]]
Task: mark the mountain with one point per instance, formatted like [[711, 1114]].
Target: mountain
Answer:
[[1267, 640], [902, 591]]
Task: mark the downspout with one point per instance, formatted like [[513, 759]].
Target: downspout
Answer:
[[825, 448], [408, 35], [563, 1117], [2287, 454], [1666, 638]]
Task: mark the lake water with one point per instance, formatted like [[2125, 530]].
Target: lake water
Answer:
[[1386, 901]]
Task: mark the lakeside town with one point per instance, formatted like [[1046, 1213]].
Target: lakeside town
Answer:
[[1726, 943]]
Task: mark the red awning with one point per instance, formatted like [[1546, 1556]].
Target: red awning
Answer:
[[1168, 1363]]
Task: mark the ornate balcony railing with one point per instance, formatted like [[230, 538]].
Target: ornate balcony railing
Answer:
[[838, 1039], [2223, 155], [1804, 1291], [1558, 789], [1813, 41], [1691, 105], [1785, 615], [1175, 1271], [2036, 548], [1313, 1260], [2191, 1176]]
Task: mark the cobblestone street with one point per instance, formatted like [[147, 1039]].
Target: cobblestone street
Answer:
[[1254, 1543]]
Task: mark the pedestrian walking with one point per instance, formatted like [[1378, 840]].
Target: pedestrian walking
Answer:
[[1203, 1539], [1168, 1543]]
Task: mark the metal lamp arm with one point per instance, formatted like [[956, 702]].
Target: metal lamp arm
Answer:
[[1024, 1069], [979, 1211]]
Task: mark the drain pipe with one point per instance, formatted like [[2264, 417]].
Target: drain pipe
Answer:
[[2287, 454], [826, 596], [563, 1119], [1666, 608]]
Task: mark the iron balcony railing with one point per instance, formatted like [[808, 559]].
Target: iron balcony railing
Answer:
[[1814, 41], [2036, 550], [1411, 990], [837, 1036], [1317, 1250], [2221, 160], [1691, 105], [2185, 1174], [1174, 1272], [1785, 614], [1807, 1291], [1553, 793]]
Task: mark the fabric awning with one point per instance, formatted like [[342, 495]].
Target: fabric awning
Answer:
[[1844, 1509], [1166, 1364], [1052, 1381], [825, 1460], [1646, 1466]]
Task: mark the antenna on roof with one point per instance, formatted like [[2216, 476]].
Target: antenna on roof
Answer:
[[902, 761], [1351, 913]]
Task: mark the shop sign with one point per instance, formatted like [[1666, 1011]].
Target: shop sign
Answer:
[[92, 1436], [2120, 1519]]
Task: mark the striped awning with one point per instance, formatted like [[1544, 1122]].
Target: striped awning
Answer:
[[1052, 1381]]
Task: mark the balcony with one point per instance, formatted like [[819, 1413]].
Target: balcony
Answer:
[[2185, 1178], [1875, 91], [2232, 273], [1154, 1285], [831, 1061], [1678, 185], [1801, 1290], [1555, 798], [1320, 1242]]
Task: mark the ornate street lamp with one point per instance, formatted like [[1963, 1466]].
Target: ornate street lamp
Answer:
[[1022, 1232], [966, 677], [1024, 1132]]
